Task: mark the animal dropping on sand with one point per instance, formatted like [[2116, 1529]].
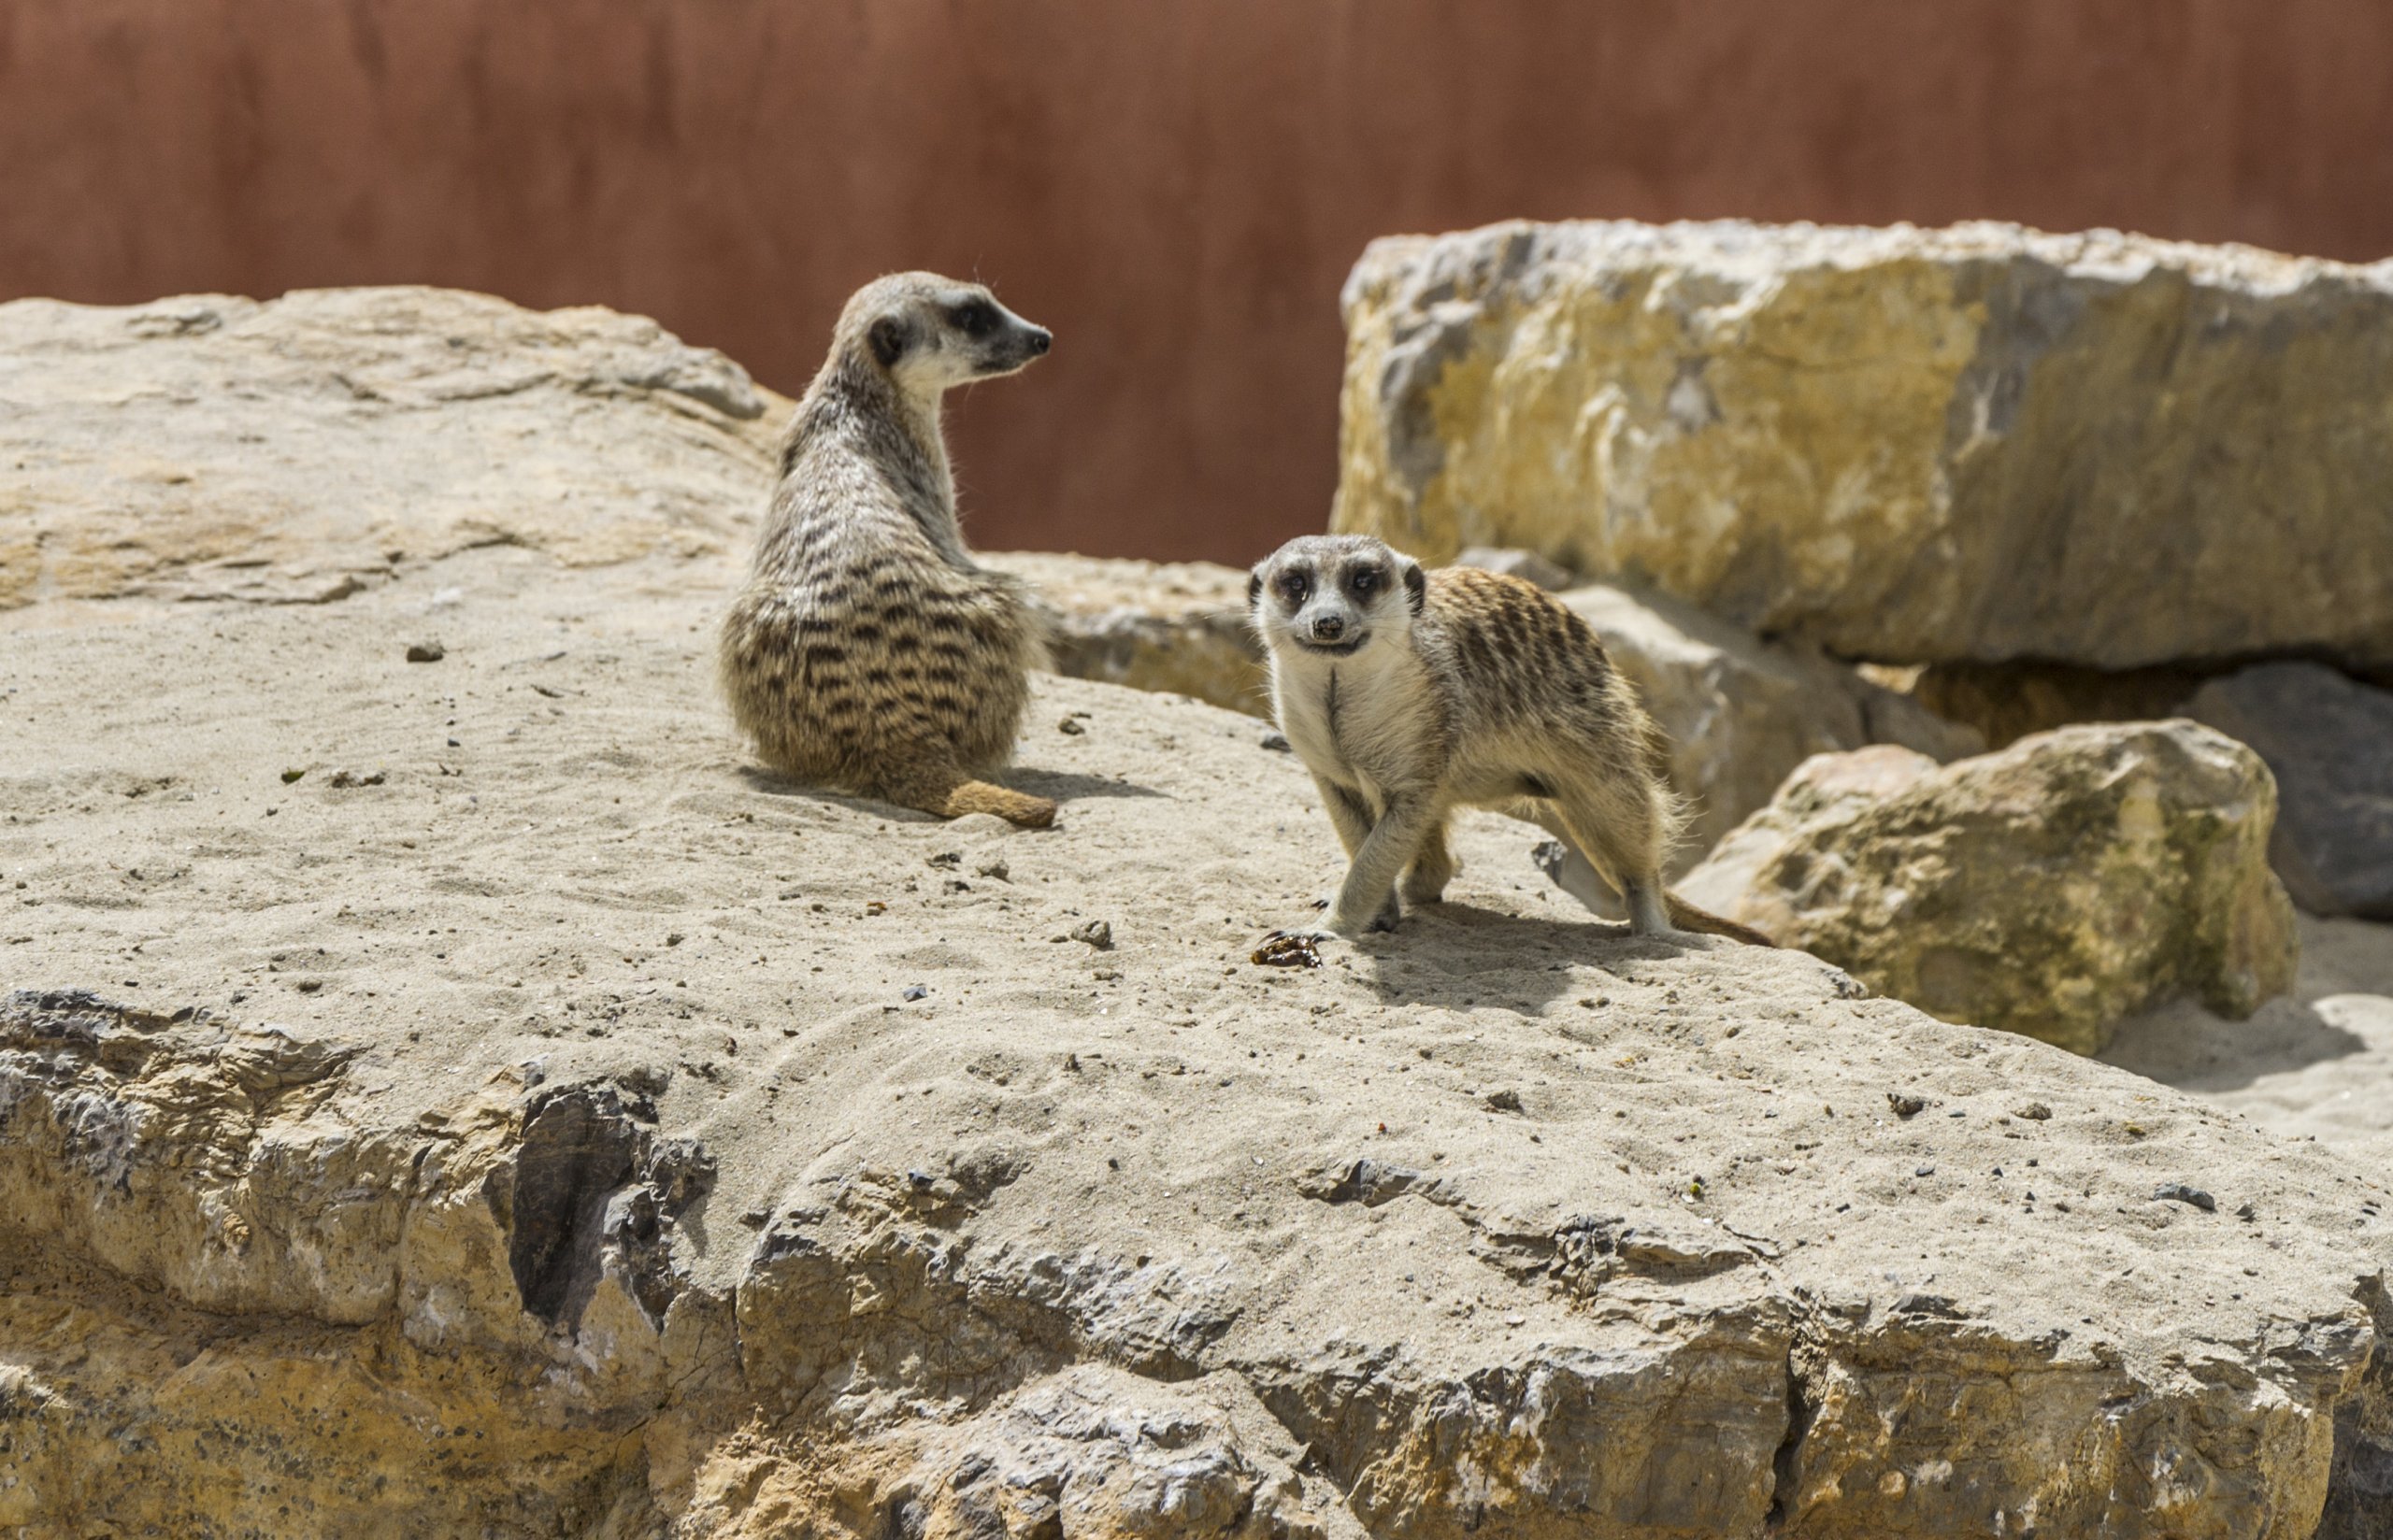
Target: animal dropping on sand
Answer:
[[868, 651]]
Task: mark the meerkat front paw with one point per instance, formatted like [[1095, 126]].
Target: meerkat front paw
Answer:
[[1350, 926]]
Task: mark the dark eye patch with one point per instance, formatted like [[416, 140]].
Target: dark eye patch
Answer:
[[1363, 581], [1295, 585], [975, 318]]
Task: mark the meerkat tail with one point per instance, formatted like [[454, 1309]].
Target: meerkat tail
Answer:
[[1686, 917], [948, 791], [979, 796]]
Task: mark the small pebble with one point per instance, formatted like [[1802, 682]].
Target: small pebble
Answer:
[[916, 991], [425, 652], [1276, 742], [1905, 1105], [2035, 1112], [2180, 1193], [1504, 1100], [1070, 727], [1924, 1171], [1096, 932]]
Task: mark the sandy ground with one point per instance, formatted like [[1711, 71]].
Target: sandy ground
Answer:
[[2317, 1065]]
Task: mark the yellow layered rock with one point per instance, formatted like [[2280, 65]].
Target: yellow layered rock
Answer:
[[1979, 443]]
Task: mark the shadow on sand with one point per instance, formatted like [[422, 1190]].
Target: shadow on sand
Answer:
[[1457, 956]]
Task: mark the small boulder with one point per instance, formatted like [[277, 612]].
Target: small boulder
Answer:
[[2073, 880], [2328, 741]]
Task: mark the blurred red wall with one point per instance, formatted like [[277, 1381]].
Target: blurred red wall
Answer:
[[1176, 186]]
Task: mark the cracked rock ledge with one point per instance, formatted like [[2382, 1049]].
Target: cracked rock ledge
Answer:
[[554, 1126]]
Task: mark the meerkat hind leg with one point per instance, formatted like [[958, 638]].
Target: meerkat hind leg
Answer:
[[1617, 828]]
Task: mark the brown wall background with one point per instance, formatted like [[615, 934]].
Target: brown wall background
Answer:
[[1176, 186]]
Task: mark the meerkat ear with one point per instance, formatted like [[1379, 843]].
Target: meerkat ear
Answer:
[[1416, 586], [1254, 587], [888, 339]]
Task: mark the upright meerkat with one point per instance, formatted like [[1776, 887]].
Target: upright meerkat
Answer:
[[868, 651], [1408, 694]]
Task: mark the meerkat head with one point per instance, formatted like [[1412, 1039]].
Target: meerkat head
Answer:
[[1333, 596], [928, 332]]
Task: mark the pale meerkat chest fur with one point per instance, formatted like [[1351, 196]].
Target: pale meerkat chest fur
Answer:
[[1408, 694], [1373, 724], [867, 649]]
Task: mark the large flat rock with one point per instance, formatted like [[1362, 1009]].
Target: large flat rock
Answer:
[[298, 449], [467, 1097], [575, 1126], [1910, 445]]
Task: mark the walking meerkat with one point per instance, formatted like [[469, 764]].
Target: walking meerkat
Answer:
[[1408, 694], [868, 651]]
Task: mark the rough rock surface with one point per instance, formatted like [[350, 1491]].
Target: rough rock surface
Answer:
[[1743, 713], [1512, 562], [2053, 889], [466, 1097], [1913, 446], [2328, 741], [1152, 625], [574, 1129], [298, 449], [2006, 701]]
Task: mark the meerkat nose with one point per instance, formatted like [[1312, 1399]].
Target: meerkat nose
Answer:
[[1328, 628], [1042, 339]]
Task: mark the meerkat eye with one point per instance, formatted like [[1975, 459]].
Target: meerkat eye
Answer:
[[976, 318], [1363, 581], [1294, 586]]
